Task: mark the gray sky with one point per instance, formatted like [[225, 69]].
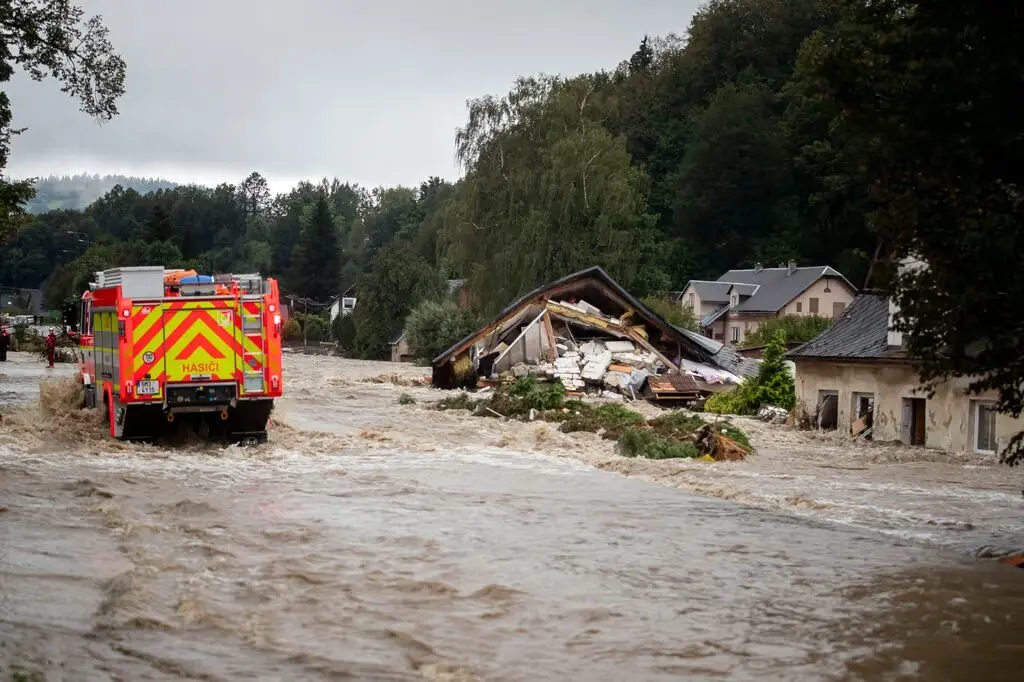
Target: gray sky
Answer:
[[370, 91]]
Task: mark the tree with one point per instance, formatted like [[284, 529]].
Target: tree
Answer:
[[159, 227], [434, 325], [942, 134], [772, 386], [254, 194], [51, 38], [396, 282], [316, 262], [548, 190], [676, 314]]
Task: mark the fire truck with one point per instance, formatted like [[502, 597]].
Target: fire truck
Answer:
[[156, 346]]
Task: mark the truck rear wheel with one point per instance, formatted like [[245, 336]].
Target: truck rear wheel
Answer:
[[246, 423]]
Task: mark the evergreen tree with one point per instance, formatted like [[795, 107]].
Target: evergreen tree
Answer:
[[159, 227], [316, 261]]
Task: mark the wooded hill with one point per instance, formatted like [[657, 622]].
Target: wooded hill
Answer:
[[692, 157]]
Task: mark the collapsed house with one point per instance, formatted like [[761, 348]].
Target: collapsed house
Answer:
[[590, 334]]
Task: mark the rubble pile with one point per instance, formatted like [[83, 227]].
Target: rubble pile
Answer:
[[607, 367], [604, 365], [617, 349]]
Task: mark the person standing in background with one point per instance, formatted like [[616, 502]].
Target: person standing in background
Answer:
[[51, 346], [5, 341]]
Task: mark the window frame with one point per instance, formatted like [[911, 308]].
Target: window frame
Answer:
[[977, 406]]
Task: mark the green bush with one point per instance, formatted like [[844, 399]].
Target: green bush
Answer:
[[728, 403], [316, 329], [523, 395], [461, 401], [433, 326], [614, 419], [676, 425], [291, 330], [406, 399], [343, 331], [649, 445], [772, 386], [794, 328]]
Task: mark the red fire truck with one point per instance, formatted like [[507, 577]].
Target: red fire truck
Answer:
[[156, 346]]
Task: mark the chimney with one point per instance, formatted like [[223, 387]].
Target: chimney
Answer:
[[791, 268], [758, 267]]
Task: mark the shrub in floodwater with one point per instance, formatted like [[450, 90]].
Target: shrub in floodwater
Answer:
[[406, 399], [676, 425], [613, 419], [522, 396], [735, 433], [649, 445], [461, 401]]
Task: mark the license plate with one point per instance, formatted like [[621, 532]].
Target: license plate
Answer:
[[147, 387]]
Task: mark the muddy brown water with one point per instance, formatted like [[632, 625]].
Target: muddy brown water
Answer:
[[372, 541]]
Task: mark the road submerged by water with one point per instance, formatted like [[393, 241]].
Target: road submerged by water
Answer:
[[375, 541]]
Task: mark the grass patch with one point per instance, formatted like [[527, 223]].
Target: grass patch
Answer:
[[406, 399], [611, 420], [461, 401], [650, 445], [676, 425], [670, 436]]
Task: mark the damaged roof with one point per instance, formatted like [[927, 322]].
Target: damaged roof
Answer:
[[724, 356], [563, 287], [776, 286], [861, 333]]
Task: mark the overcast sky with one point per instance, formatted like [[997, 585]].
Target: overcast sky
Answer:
[[370, 91]]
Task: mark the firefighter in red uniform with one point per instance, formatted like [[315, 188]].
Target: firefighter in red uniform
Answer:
[[51, 346]]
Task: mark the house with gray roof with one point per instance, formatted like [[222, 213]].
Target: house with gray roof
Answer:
[[739, 301], [857, 377]]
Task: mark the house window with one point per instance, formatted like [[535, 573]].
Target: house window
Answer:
[[734, 300], [984, 426], [837, 309], [692, 298], [735, 334], [827, 418], [799, 306], [814, 306]]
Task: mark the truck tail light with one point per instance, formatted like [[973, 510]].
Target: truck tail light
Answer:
[[277, 323], [275, 382]]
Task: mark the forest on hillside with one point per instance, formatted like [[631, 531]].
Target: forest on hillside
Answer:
[[692, 157], [695, 155], [76, 192]]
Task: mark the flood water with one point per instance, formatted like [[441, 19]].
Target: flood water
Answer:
[[372, 541]]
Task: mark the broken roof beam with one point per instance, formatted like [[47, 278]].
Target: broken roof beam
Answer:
[[646, 344], [520, 337]]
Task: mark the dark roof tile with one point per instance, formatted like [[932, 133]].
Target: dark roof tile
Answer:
[[861, 332]]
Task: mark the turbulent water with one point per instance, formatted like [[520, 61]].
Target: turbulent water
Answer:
[[376, 541]]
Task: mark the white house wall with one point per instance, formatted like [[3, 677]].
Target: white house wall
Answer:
[[949, 423]]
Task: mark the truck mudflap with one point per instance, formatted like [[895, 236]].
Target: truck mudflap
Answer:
[[243, 423]]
